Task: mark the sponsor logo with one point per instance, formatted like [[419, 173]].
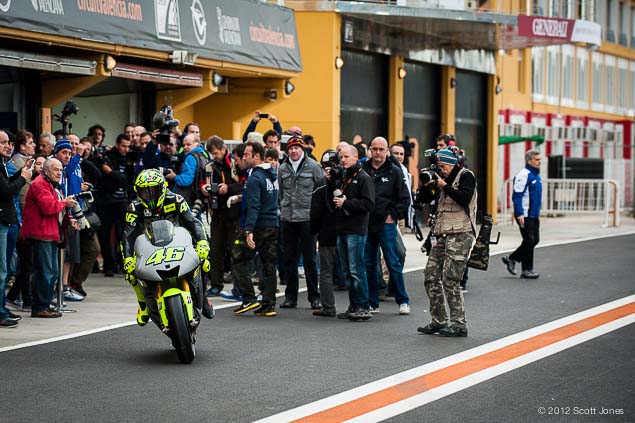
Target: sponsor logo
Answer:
[[550, 28], [385, 180], [167, 20], [5, 5], [48, 6], [228, 29], [117, 8], [198, 21]]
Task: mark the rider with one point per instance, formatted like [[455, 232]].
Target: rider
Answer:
[[155, 202]]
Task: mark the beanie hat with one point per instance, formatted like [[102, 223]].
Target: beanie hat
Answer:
[[447, 156], [295, 142], [61, 144], [255, 137]]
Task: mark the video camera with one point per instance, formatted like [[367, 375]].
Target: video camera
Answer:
[[77, 209], [70, 108], [431, 172], [164, 121]]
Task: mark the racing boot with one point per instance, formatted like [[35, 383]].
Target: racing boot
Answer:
[[143, 314]]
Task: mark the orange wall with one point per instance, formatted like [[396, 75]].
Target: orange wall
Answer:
[[315, 103]]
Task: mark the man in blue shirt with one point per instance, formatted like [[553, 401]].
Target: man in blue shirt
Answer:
[[527, 198]]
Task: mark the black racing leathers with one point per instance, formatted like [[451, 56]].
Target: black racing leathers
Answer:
[[174, 208]]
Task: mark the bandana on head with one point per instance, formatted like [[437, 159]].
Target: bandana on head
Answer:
[[447, 156]]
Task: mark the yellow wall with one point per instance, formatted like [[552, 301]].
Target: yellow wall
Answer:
[[315, 103]]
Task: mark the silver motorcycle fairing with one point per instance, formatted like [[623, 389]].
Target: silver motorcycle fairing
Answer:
[[154, 262]]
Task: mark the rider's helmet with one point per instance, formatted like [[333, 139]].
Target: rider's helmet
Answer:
[[150, 187]]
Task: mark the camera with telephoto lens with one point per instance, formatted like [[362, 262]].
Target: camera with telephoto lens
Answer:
[[164, 121], [77, 208], [431, 172]]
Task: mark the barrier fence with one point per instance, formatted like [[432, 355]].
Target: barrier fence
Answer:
[[570, 196]]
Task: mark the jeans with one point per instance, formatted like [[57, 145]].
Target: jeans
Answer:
[[12, 240], [22, 286], [45, 273], [4, 231], [531, 236], [387, 240], [351, 249]]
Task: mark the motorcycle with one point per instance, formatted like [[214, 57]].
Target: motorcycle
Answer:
[[170, 272]]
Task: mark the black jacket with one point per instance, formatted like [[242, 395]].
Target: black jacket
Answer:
[[9, 187], [352, 218], [323, 215], [113, 187], [221, 172], [391, 194]]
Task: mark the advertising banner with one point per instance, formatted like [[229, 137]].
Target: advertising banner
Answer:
[[240, 31], [559, 30]]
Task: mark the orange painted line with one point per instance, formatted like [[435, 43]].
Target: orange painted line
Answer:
[[457, 371]]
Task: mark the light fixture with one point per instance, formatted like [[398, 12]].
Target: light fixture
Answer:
[[339, 62], [109, 63], [452, 82], [401, 73], [498, 88], [217, 79], [288, 87], [271, 95]]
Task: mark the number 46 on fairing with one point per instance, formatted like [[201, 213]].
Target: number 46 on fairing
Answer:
[[166, 255]]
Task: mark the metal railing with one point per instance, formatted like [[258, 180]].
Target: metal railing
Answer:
[[570, 196]]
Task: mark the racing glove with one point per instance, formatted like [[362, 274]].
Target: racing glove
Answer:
[[129, 264], [202, 249]]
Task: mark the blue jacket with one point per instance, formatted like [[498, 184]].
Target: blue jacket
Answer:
[[261, 191], [527, 196], [188, 170]]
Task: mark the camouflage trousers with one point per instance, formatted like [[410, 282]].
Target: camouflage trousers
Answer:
[[266, 240], [443, 275]]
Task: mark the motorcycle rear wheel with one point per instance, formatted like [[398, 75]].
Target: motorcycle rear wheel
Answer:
[[179, 329]]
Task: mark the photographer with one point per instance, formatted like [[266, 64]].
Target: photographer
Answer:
[[112, 200], [186, 183], [221, 182], [451, 239], [354, 198], [254, 123], [162, 156]]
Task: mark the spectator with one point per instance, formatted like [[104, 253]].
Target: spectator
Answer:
[[97, 134], [453, 239], [298, 176], [309, 145], [135, 141], [187, 182], [527, 198], [161, 156], [258, 235], [322, 219], [392, 200], [9, 187], [353, 207], [70, 184], [45, 220], [113, 199], [399, 153], [271, 157], [19, 296], [220, 184], [272, 141], [46, 144], [254, 122], [129, 129]]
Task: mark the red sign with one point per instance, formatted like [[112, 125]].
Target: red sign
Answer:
[[543, 27]]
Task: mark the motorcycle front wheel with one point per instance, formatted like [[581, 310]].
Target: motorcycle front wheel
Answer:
[[179, 329]]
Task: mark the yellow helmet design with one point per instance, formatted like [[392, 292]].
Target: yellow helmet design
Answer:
[[150, 187]]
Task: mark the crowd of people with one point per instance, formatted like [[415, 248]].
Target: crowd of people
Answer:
[[275, 213]]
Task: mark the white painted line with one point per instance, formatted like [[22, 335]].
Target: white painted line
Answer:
[[104, 329], [487, 374], [545, 245], [390, 381]]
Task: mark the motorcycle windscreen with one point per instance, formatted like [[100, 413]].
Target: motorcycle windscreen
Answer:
[[177, 258]]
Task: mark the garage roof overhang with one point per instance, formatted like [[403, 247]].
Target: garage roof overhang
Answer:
[[404, 30]]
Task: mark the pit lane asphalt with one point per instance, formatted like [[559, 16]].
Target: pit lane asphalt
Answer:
[[250, 367]]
